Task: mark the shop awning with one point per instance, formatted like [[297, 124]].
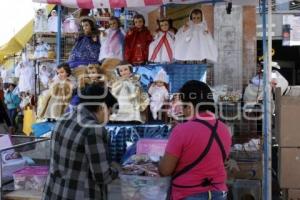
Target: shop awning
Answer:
[[133, 3]]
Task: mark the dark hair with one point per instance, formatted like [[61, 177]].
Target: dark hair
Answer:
[[124, 63], [113, 18], [163, 20], [196, 92], [94, 29], [91, 91], [66, 67], [139, 16], [196, 12]]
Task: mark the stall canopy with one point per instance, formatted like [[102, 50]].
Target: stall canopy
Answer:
[[133, 3]]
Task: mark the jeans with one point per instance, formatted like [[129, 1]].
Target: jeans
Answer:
[[12, 113], [215, 195]]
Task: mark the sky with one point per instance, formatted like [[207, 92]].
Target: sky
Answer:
[[14, 14]]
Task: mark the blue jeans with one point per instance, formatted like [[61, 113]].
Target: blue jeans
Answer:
[[215, 195], [12, 113]]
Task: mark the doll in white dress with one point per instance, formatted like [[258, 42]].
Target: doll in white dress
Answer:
[[131, 98], [162, 47], [112, 41], [193, 42], [41, 50], [52, 22], [70, 25], [159, 93], [40, 21], [25, 73]]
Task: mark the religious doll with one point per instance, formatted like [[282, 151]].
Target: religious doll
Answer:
[[131, 98], [70, 25], [86, 49], [54, 102], [112, 41], [193, 41], [161, 49], [40, 21], [41, 50], [25, 72], [52, 22], [44, 76], [159, 93], [137, 41]]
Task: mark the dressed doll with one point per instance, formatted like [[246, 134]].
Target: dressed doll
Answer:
[[176, 110], [54, 102], [40, 21], [131, 98], [193, 41], [44, 76], [70, 25], [86, 49], [41, 50], [137, 41], [52, 22], [158, 92], [112, 41], [161, 49], [25, 73]]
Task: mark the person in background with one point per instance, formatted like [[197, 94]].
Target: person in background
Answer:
[[79, 167], [12, 101], [197, 149], [5, 123]]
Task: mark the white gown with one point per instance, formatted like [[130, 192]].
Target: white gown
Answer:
[[41, 51], [40, 23], [52, 24], [26, 78], [158, 96], [112, 45], [162, 55], [70, 25], [195, 44]]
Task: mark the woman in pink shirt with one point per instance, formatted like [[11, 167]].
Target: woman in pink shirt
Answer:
[[197, 149]]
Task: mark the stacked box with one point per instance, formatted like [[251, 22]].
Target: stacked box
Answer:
[[287, 126]]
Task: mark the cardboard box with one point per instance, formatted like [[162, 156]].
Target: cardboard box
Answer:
[[289, 168], [287, 116], [294, 194]]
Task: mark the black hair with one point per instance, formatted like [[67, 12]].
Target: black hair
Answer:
[[66, 67], [91, 91], [196, 12], [196, 92], [94, 29], [139, 16], [124, 63], [163, 20], [113, 18]]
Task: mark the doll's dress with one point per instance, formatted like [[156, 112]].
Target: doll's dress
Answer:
[[162, 47], [70, 25], [131, 99], [52, 24], [41, 51], [85, 51], [40, 23], [54, 102], [158, 96], [195, 44], [112, 45]]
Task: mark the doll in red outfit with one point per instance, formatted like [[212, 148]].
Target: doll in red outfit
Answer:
[[137, 42]]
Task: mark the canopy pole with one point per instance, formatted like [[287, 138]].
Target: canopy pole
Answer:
[[267, 120], [58, 35]]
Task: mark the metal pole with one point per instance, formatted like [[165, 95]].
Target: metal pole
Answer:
[[58, 35], [267, 134]]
